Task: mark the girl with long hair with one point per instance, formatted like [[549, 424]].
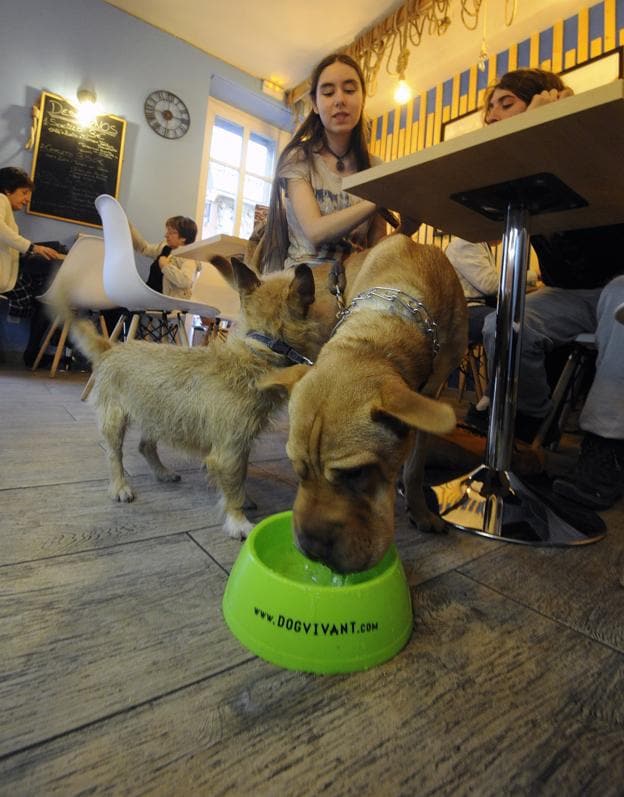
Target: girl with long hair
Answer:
[[311, 219]]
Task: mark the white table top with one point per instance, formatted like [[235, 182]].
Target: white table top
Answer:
[[224, 245], [579, 139]]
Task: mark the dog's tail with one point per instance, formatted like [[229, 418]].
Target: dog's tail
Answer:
[[83, 332]]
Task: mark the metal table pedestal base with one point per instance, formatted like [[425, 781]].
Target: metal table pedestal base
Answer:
[[497, 505]]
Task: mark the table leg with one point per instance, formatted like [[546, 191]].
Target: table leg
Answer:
[[491, 501]]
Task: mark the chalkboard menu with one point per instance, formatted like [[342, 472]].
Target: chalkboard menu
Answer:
[[72, 164]]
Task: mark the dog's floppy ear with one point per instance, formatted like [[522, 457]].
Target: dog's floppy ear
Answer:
[[285, 378], [301, 292], [224, 267], [409, 407], [246, 281]]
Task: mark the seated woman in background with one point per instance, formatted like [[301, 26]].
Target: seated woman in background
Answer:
[[475, 265], [317, 221], [15, 191], [476, 268], [168, 274], [171, 275]]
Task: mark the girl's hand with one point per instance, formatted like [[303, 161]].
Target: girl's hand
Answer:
[[409, 226], [547, 97], [163, 262], [319, 229]]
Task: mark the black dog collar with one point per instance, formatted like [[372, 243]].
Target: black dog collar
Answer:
[[280, 347]]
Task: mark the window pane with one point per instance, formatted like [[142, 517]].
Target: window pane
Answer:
[[247, 219], [260, 155], [220, 207], [256, 190], [231, 202], [226, 144], [219, 216], [222, 178]]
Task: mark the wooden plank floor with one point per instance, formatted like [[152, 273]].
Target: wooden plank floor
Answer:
[[119, 676]]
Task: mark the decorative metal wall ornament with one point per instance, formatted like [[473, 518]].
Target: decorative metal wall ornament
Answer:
[[483, 52], [389, 41]]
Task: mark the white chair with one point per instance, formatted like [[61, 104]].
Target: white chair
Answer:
[[81, 274], [211, 286], [122, 281]]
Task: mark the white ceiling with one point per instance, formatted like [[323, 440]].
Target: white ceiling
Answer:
[[282, 40]]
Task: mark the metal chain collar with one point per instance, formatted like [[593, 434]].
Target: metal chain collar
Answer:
[[401, 304]]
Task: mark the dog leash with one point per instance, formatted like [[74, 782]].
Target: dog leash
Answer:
[[401, 304], [280, 347], [337, 279], [336, 284]]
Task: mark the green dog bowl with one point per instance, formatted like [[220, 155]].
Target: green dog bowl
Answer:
[[300, 615]]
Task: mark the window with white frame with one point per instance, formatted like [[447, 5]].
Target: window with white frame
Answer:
[[242, 153]]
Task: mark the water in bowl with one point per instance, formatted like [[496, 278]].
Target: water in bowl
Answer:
[[278, 552]]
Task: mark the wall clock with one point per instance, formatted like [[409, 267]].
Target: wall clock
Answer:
[[166, 114]]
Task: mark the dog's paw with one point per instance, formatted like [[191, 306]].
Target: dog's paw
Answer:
[[168, 476], [428, 522], [123, 494], [237, 527], [249, 503]]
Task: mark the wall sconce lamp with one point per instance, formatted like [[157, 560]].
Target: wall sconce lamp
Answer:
[[87, 106], [273, 89]]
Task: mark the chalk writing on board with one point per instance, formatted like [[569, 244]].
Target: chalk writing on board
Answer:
[[74, 164]]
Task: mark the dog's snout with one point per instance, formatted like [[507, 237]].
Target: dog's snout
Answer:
[[314, 547]]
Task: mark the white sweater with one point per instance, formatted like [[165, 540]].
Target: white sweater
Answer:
[[11, 244], [178, 275], [475, 267]]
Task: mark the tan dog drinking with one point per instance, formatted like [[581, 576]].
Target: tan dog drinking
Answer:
[[367, 405]]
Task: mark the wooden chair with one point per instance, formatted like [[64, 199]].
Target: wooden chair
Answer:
[[474, 363], [565, 393]]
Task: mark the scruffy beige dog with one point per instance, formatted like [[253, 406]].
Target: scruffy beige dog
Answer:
[[205, 400], [366, 406]]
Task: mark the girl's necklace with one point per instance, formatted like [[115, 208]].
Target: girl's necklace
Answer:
[[339, 158]]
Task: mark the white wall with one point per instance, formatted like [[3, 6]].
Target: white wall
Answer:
[[59, 44]]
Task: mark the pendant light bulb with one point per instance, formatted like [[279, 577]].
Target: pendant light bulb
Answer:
[[403, 92]]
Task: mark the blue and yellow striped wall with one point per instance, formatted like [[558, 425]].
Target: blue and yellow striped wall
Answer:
[[594, 30]]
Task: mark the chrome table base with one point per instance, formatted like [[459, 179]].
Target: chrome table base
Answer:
[[491, 501], [498, 505]]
